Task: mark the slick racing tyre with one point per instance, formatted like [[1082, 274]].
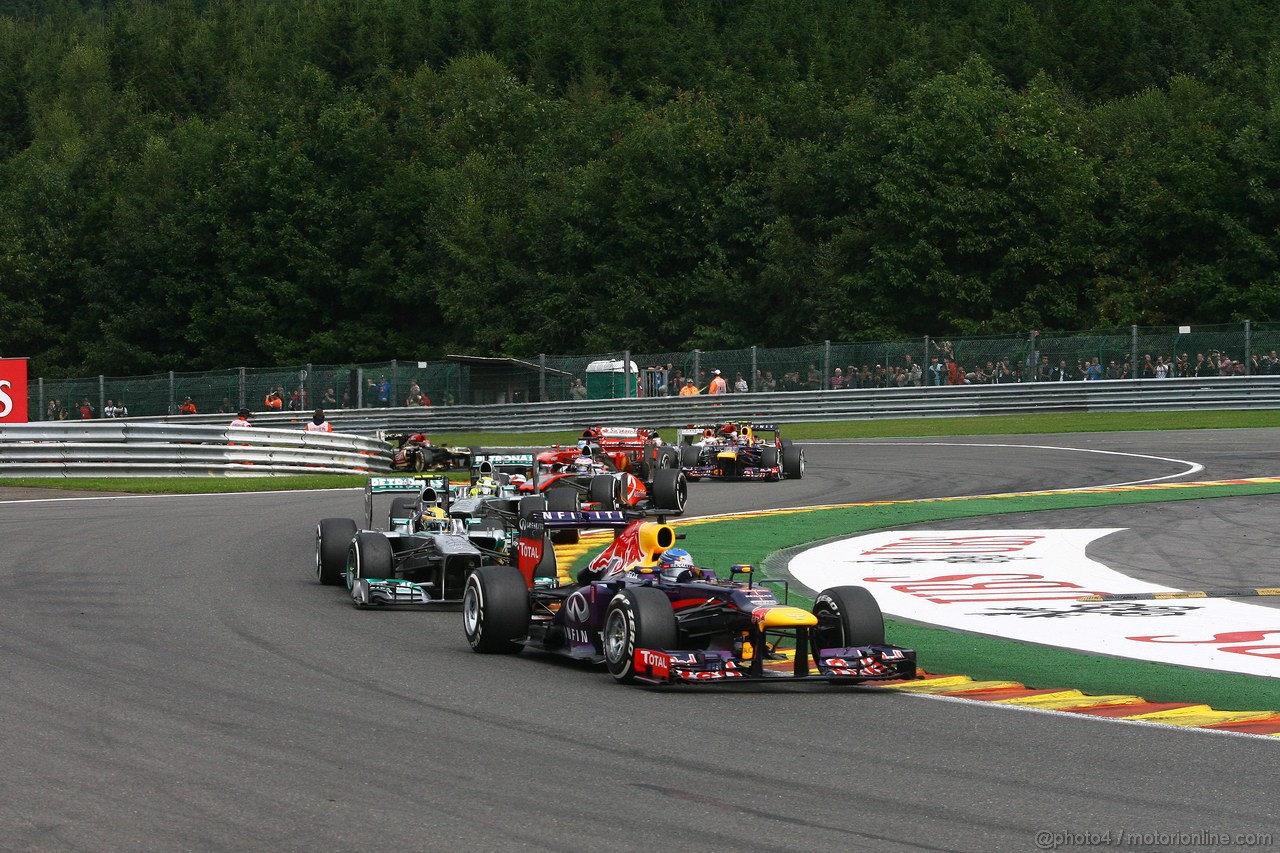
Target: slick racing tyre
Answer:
[[689, 456], [848, 616], [495, 610], [638, 618], [793, 462], [532, 504], [419, 461], [370, 558], [333, 537], [769, 458], [670, 490], [668, 457], [563, 499], [400, 508], [603, 491]]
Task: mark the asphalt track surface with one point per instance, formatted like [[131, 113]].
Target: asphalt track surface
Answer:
[[174, 679]]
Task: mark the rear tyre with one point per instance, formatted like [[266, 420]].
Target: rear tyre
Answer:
[[689, 456], [495, 610], [769, 457], [370, 558], [668, 457], [637, 618], [400, 508], [531, 505], [670, 490], [848, 616], [603, 491], [419, 460], [564, 499], [793, 462], [333, 537]]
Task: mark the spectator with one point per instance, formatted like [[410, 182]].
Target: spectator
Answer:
[[329, 400], [346, 399], [121, 411], [109, 410], [86, 410], [1270, 364], [51, 411], [913, 371], [1203, 367], [768, 384], [837, 380], [1093, 372], [1147, 370], [1113, 370], [1061, 373], [937, 372], [188, 407], [689, 389], [1225, 365], [813, 381], [718, 385], [1044, 370], [318, 423], [577, 391], [740, 384], [241, 419], [296, 400], [414, 397], [1182, 367], [382, 391], [1162, 368]]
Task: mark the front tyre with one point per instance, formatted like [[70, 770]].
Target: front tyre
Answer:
[[370, 558], [333, 537], [793, 462], [637, 618], [848, 616], [495, 610]]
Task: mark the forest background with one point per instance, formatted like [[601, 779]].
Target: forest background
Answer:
[[197, 184]]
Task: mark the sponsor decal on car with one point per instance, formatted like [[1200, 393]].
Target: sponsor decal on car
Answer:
[[1027, 585]]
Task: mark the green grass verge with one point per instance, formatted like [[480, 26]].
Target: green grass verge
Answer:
[[941, 650]]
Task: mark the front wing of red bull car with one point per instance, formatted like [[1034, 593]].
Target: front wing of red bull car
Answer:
[[695, 628]]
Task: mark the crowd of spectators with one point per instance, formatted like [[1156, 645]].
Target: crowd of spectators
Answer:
[[945, 368]]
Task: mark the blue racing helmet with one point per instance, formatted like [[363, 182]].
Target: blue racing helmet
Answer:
[[676, 564]]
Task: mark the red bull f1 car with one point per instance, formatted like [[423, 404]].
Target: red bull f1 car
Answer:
[[660, 621], [739, 451]]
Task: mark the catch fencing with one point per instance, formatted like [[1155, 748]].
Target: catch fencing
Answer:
[[626, 374]]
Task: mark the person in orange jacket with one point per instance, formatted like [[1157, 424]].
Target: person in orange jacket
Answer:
[[187, 407], [718, 385], [689, 389]]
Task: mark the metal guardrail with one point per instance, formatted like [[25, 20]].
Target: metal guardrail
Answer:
[[1225, 393], [139, 449], [202, 445]]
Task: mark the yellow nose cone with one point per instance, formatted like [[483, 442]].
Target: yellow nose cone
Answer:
[[784, 617], [727, 454]]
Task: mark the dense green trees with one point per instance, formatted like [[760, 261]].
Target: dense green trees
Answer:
[[203, 183]]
